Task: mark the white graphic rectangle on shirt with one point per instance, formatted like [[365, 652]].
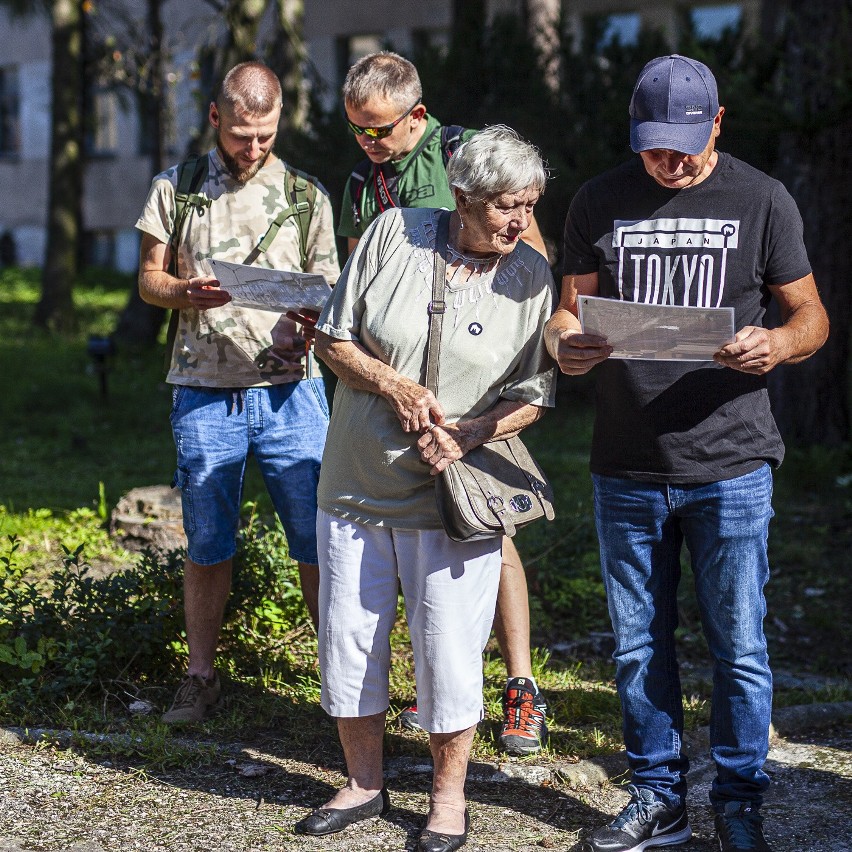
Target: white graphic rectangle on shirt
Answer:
[[674, 261]]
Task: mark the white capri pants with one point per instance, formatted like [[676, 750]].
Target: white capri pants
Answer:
[[450, 591]]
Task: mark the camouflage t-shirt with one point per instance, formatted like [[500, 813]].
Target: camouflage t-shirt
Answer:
[[232, 347]]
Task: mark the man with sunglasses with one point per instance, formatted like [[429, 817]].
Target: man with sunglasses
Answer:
[[407, 152]]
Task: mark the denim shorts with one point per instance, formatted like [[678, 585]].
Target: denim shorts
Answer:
[[216, 430]]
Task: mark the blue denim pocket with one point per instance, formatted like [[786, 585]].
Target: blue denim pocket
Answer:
[[178, 394], [182, 480], [318, 387]]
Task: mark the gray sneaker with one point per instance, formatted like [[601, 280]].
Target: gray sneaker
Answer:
[[645, 823], [194, 699]]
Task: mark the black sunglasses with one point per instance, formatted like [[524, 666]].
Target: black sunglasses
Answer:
[[384, 130]]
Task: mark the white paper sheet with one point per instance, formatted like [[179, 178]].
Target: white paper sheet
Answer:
[[271, 289], [657, 332]]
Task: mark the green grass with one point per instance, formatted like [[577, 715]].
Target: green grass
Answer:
[[68, 455], [60, 437]]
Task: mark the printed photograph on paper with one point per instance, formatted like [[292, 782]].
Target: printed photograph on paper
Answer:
[[271, 289], [657, 332]]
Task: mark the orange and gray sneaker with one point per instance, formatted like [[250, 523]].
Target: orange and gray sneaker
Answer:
[[524, 729], [195, 697]]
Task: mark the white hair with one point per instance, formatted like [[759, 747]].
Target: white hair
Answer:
[[495, 161]]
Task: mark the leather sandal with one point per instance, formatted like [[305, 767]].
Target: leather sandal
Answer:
[[433, 841], [331, 820]]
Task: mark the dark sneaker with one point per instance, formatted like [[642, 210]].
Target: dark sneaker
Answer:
[[408, 719], [645, 823], [739, 828], [524, 729], [195, 697]]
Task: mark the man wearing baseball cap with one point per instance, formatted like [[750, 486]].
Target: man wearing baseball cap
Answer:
[[682, 450]]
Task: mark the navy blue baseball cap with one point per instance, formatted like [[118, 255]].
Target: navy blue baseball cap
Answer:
[[673, 105]]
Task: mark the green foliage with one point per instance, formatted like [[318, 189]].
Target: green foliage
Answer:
[[75, 632]]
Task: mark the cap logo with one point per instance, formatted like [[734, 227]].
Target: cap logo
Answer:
[[694, 109]]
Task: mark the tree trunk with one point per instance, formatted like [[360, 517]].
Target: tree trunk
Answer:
[[156, 93], [811, 400], [140, 323], [543, 19], [286, 57], [56, 308], [243, 21], [466, 60]]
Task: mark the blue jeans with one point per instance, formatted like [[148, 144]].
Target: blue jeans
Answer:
[[215, 431], [641, 528]]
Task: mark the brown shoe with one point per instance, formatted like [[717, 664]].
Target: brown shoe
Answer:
[[194, 698]]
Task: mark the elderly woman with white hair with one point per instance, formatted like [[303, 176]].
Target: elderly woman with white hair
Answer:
[[378, 524]]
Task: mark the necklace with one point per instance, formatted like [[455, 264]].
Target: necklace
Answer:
[[476, 263]]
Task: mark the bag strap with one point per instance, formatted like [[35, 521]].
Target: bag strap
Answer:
[[384, 183], [190, 177], [437, 307], [357, 182]]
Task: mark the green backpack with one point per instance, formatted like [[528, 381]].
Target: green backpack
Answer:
[[191, 174]]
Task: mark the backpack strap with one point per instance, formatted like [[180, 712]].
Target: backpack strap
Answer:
[[190, 178], [451, 138], [357, 182], [301, 193]]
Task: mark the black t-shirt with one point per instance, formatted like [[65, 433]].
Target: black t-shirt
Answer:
[[721, 243]]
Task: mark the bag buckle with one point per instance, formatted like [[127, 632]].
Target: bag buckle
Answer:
[[437, 307]]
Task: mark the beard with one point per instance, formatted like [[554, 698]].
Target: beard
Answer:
[[241, 174]]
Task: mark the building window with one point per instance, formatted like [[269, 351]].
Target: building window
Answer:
[[711, 21], [352, 48], [10, 138], [99, 248], [102, 130], [623, 29]]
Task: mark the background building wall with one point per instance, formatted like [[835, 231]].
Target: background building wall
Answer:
[[118, 171]]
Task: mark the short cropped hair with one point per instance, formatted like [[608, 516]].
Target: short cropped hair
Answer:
[[251, 88], [382, 75], [495, 161]]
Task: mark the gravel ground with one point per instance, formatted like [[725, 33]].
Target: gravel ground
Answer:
[[54, 799]]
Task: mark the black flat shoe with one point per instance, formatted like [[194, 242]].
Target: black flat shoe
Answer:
[[432, 841], [331, 820]]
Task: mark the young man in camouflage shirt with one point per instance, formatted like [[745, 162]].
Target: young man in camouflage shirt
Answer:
[[241, 382]]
